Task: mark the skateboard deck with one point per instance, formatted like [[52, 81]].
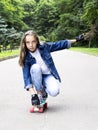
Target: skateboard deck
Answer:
[[39, 108]]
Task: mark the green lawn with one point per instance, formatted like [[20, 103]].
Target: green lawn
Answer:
[[91, 51], [9, 53]]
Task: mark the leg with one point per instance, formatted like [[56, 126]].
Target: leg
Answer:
[[52, 85], [36, 76]]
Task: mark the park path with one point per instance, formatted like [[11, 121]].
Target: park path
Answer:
[[76, 108]]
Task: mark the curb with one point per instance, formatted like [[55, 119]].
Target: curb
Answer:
[[9, 57]]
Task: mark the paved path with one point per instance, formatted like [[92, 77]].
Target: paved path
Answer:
[[76, 108]]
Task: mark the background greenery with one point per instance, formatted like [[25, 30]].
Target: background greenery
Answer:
[[51, 19], [7, 54], [90, 51]]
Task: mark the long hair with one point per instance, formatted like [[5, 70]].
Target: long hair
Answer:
[[23, 48]]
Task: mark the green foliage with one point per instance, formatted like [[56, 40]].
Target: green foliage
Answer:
[[90, 16], [69, 22], [29, 8], [90, 11], [45, 17], [8, 36], [13, 12], [51, 19]]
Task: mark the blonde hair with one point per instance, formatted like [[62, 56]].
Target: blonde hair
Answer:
[[23, 48]]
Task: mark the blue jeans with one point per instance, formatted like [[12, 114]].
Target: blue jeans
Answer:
[[48, 81]]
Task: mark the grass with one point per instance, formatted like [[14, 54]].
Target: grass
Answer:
[[90, 51], [9, 53]]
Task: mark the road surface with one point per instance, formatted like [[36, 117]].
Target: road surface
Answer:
[[76, 108]]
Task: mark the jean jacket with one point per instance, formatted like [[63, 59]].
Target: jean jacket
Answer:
[[45, 51]]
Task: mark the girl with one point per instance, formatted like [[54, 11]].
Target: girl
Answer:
[[39, 72]]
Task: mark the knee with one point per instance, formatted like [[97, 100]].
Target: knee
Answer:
[[35, 68], [54, 93]]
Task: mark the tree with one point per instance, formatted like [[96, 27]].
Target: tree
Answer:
[[29, 8], [12, 12], [3, 31], [8, 36], [51, 19], [90, 16], [45, 16], [69, 22]]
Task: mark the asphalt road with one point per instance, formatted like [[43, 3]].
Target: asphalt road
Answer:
[[76, 108]]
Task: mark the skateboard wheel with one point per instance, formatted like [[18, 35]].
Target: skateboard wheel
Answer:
[[41, 110], [31, 110], [46, 105]]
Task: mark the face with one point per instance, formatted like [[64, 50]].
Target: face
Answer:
[[31, 43]]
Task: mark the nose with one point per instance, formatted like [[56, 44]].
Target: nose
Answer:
[[30, 44]]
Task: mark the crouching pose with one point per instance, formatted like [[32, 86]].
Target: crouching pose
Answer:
[[39, 72]]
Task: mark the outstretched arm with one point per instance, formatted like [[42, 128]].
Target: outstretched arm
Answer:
[[63, 44]]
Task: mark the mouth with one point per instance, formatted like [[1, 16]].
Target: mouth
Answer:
[[32, 49]]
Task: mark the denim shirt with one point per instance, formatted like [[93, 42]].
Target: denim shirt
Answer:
[[45, 51]]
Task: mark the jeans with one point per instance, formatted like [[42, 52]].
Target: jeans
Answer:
[[40, 80]]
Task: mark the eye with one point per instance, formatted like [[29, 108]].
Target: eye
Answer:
[[27, 42], [34, 41]]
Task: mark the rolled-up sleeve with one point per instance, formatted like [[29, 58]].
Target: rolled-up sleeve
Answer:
[[69, 44]]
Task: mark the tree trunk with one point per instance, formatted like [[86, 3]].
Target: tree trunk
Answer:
[[89, 43]]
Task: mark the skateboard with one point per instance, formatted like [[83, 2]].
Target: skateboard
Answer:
[[39, 108]]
